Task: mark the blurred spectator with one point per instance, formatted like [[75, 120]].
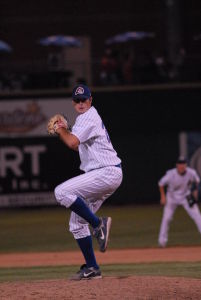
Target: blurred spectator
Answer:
[[109, 73], [54, 61], [127, 68], [145, 68], [175, 69], [10, 81], [6, 79], [161, 68]]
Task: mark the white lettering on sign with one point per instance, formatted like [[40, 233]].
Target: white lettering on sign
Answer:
[[35, 152], [11, 158]]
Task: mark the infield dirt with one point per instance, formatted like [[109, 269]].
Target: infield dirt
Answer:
[[114, 288]]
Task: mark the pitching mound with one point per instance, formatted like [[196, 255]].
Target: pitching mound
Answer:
[[132, 287], [107, 288]]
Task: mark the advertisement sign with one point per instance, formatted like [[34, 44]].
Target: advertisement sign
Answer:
[[28, 118], [31, 161]]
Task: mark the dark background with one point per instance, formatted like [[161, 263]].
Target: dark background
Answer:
[[22, 23], [144, 126], [144, 122]]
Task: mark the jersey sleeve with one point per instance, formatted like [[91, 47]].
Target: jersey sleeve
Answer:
[[165, 179], [84, 129]]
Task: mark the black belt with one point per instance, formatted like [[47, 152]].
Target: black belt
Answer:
[[118, 166]]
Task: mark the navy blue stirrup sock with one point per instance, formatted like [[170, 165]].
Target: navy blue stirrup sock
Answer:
[[82, 210], [86, 247]]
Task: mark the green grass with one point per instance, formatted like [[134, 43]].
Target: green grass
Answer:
[[46, 229], [191, 270]]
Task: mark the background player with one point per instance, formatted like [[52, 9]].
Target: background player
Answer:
[[84, 194], [179, 182]]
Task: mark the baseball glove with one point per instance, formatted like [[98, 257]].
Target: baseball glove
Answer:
[[56, 122], [191, 199]]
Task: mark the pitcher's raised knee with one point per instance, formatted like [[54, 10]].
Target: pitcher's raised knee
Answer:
[[64, 197]]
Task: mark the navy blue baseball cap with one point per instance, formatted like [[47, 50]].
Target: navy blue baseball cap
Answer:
[[81, 91], [181, 160]]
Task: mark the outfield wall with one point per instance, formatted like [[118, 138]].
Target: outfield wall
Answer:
[[144, 126]]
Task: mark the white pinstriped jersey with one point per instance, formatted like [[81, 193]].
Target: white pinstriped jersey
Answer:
[[178, 186], [95, 149]]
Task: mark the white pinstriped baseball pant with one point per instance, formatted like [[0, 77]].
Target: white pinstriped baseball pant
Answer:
[[94, 188], [168, 213]]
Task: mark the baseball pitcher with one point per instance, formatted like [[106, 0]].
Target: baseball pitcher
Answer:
[[84, 194]]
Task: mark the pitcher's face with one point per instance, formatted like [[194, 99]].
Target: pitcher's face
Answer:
[[82, 105]]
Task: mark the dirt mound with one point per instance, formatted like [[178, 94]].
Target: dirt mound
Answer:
[[113, 288], [107, 288]]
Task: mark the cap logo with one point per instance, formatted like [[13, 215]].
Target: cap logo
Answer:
[[79, 91]]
